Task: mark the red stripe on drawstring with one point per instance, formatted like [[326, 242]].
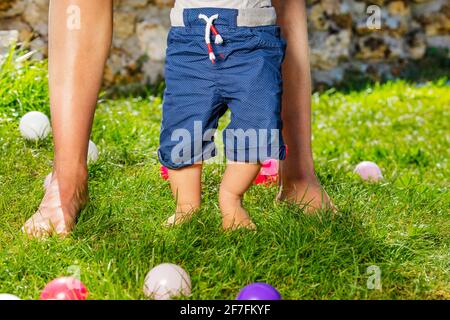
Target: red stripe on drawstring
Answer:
[[210, 28], [214, 30]]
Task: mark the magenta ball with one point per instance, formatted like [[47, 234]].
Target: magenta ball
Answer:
[[65, 288], [164, 173], [259, 291], [269, 167]]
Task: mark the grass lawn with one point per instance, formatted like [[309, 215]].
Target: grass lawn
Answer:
[[400, 225]]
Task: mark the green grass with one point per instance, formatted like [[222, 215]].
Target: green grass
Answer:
[[400, 225]]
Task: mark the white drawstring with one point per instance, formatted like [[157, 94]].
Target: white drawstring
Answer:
[[210, 27]]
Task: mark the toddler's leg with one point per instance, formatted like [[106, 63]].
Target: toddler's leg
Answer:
[[186, 188], [237, 180]]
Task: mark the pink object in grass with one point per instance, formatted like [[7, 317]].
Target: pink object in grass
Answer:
[[260, 179], [270, 167], [164, 173], [268, 173], [369, 171], [65, 288]]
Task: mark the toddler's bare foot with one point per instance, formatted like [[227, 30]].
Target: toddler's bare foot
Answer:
[[237, 220], [184, 214], [234, 216], [57, 212]]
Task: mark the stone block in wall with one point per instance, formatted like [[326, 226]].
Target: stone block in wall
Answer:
[[395, 17], [39, 45], [426, 7], [355, 8], [152, 40], [7, 39], [327, 50], [124, 24], [415, 44], [131, 4], [328, 15], [153, 71], [11, 8], [328, 77], [36, 15], [436, 23], [377, 47], [164, 3], [399, 8], [156, 15], [125, 57], [371, 47], [434, 16], [121, 69], [26, 33], [139, 43]]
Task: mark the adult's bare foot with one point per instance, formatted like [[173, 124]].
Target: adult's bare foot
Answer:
[[308, 194], [57, 213]]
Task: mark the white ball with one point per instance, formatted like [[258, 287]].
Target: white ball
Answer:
[[48, 180], [166, 281], [92, 152], [34, 126], [7, 296], [369, 171]]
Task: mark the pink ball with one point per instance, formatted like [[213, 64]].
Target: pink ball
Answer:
[[268, 173], [167, 281], [369, 171], [164, 173], [260, 179], [270, 167], [65, 288]]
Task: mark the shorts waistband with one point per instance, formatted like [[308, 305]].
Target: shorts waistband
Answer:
[[252, 17]]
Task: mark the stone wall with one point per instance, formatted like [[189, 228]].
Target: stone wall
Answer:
[[341, 37]]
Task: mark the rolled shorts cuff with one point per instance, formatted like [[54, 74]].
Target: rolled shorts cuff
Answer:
[[176, 165], [256, 155]]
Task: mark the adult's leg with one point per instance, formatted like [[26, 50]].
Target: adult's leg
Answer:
[[299, 182], [77, 55]]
